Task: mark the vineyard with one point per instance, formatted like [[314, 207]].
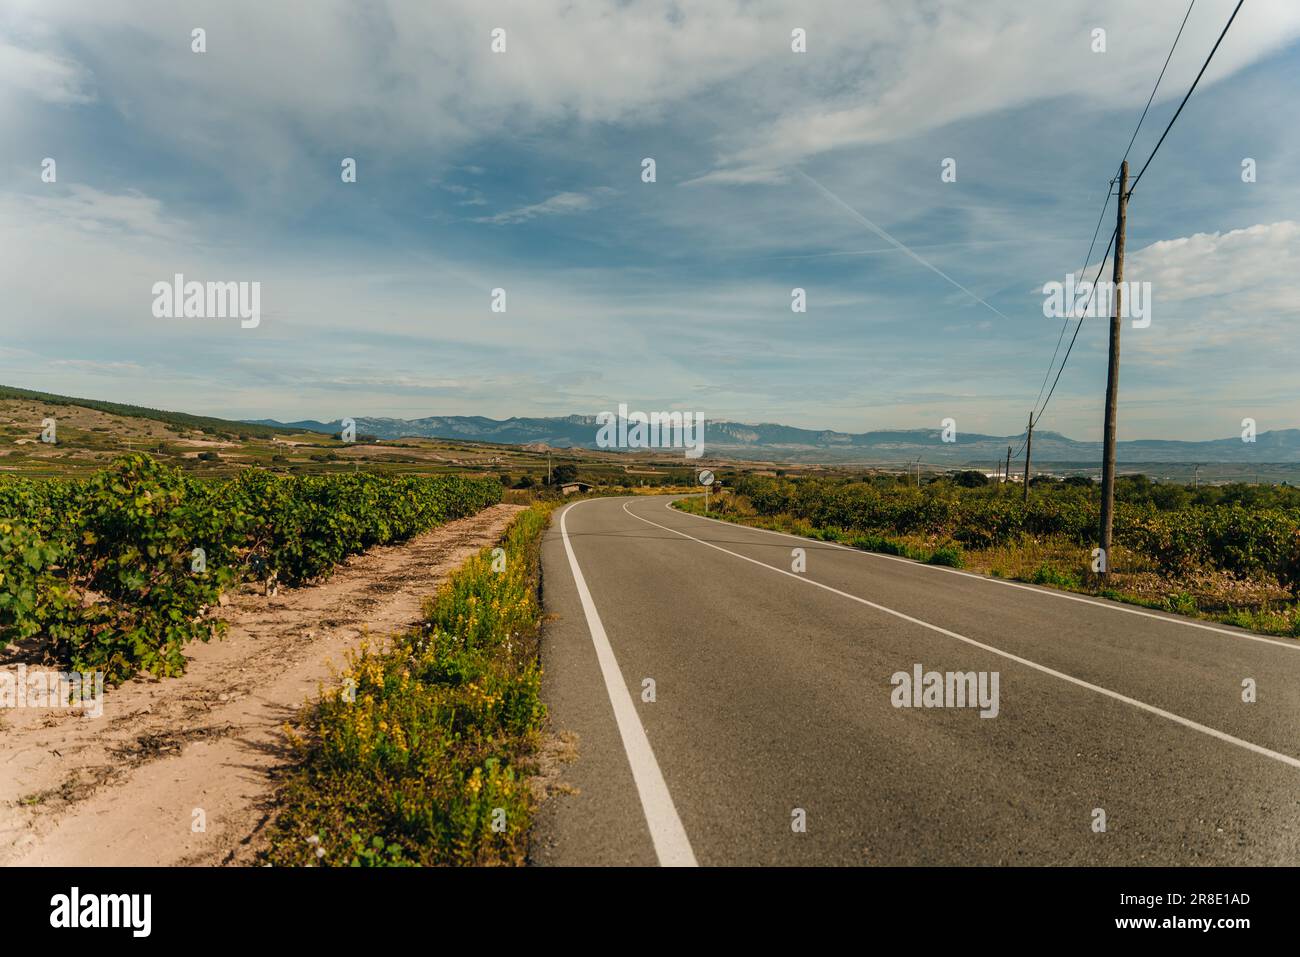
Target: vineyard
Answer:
[[1234, 537], [119, 571]]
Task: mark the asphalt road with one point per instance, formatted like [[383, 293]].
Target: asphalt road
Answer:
[[773, 703]]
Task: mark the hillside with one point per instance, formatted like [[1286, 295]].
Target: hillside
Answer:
[[177, 420], [91, 433]]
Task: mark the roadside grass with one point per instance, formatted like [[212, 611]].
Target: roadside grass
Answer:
[[1259, 606], [422, 755]]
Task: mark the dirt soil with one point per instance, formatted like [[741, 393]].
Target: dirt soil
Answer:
[[183, 771]]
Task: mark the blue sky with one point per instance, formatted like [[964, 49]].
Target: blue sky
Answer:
[[522, 170]]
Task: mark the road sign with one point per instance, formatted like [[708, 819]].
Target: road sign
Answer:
[[706, 477]]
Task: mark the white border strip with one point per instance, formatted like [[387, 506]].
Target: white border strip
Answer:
[[1142, 705], [1045, 592], [672, 846]]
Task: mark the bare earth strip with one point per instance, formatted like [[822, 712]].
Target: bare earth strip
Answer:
[[124, 788]]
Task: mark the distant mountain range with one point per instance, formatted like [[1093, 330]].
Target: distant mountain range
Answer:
[[783, 443], [756, 443]]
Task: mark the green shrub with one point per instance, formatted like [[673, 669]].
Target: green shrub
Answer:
[[947, 555], [1248, 531], [425, 762], [1047, 575], [121, 570]]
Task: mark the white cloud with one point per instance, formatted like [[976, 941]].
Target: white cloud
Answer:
[[1260, 262], [559, 204], [95, 365], [422, 75], [1222, 305], [93, 211], [968, 60], [1254, 270], [44, 76]]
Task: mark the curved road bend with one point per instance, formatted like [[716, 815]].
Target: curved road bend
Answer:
[[772, 703]]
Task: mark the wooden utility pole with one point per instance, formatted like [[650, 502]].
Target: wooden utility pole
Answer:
[[1112, 376], [1006, 472], [1029, 449]]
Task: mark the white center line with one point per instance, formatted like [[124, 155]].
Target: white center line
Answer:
[[1150, 708], [672, 846]]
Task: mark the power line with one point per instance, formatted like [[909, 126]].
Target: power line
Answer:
[[1082, 317], [1131, 141], [1174, 118], [1152, 97], [1105, 205], [1070, 348], [1100, 216]]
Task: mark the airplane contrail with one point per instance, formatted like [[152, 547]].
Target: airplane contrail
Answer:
[[897, 245]]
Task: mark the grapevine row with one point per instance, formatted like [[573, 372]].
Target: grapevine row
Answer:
[[1235, 538], [118, 572]]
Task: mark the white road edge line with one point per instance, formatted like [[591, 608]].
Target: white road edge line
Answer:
[[1115, 695], [1046, 593], [672, 846]]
